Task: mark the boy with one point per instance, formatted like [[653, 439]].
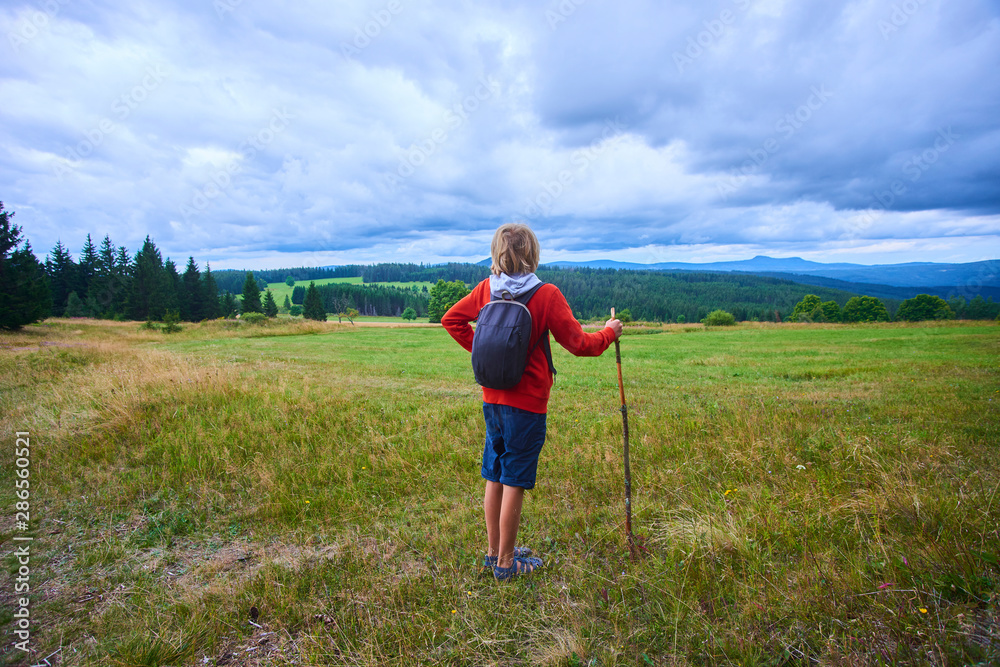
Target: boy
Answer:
[[515, 418]]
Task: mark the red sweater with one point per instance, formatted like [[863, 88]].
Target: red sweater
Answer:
[[549, 310]]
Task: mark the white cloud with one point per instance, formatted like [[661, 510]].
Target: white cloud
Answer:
[[253, 135]]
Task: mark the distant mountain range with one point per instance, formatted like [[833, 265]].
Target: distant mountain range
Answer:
[[912, 274]]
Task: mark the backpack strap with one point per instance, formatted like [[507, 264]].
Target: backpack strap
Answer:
[[543, 338]]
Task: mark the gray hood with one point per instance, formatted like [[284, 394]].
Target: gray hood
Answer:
[[516, 284]]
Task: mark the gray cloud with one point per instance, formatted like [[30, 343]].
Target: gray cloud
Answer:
[[396, 130]]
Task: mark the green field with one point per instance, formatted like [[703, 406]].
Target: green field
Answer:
[[279, 290], [803, 494]]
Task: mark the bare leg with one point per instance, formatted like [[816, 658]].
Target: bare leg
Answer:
[[510, 521], [492, 502]]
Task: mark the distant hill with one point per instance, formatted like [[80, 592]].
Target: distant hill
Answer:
[[967, 279], [758, 263], [889, 291]]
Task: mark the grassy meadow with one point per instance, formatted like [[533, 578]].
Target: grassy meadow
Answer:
[[306, 493]]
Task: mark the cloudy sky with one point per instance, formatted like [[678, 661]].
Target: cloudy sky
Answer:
[[258, 134]]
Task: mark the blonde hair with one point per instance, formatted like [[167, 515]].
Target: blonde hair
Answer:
[[514, 250]]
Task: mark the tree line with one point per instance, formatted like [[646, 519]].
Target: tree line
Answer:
[[231, 280], [388, 272], [107, 281], [916, 309], [375, 300], [650, 295]]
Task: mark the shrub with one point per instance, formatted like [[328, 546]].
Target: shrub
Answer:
[[865, 309], [295, 311], [719, 318], [254, 318], [924, 307], [625, 316], [409, 314], [170, 320], [806, 309], [830, 311]]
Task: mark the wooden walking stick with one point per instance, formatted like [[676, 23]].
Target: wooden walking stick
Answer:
[[629, 538]]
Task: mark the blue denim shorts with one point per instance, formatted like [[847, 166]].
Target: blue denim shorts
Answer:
[[514, 438]]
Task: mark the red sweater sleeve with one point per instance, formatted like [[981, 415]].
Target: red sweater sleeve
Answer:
[[568, 332], [456, 320]]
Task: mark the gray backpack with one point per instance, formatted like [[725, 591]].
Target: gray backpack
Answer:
[[500, 345]]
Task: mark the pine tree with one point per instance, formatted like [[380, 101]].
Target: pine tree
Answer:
[[124, 261], [957, 305], [146, 296], [105, 284], [228, 304], [173, 287], [213, 308], [170, 320], [24, 289], [64, 277], [270, 306], [74, 306], [124, 269], [313, 305], [978, 309], [287, 305], [88, 266], [91, 308], [192, 299], [251, 295]]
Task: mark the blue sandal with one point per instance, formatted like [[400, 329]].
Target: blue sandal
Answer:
[[518, 567], [490, 562], [519, 552]]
